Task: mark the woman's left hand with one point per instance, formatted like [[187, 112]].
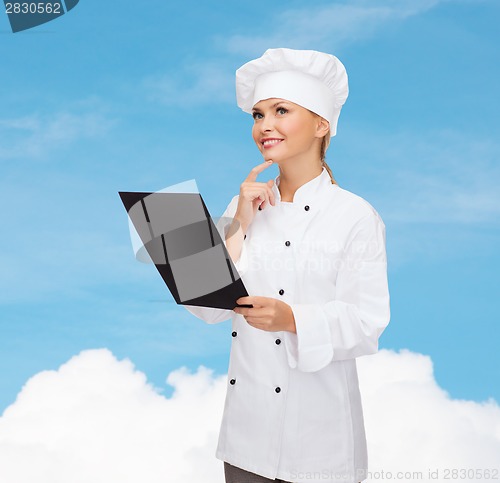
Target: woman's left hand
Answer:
[[267, 313]]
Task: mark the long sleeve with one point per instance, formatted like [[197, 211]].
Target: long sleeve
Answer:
[[350, 325], [209, 314]]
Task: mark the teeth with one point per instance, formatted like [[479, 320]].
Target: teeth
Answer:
[[271, 141]]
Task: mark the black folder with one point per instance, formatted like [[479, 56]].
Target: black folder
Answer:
[[185, 245]]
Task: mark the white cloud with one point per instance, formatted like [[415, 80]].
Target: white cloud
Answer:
[[325, 27], [210, 81], [434, 176], [34, 135], [97, 419], [329, 26], [412, 424]]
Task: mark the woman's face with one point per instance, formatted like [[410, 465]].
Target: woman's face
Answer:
[[284, 130]]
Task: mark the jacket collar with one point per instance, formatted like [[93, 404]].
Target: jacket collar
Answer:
[[308, 191]]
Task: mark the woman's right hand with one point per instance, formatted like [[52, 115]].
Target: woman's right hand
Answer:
[[254, 194]]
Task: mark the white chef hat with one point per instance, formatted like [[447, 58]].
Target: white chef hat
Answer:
[[311, 79]]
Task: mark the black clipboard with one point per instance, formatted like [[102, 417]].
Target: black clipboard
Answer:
[[183, 242]]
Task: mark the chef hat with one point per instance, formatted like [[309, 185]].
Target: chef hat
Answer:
[[311, 79]]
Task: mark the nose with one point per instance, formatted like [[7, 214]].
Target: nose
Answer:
[[267, 124]]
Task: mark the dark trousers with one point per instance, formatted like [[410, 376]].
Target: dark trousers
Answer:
[[234, 474]]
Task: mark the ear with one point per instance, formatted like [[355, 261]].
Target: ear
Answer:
[[322, 127]]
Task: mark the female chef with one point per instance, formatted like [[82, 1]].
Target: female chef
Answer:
[[312, 257]]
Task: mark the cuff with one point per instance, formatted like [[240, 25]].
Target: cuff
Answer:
[[210, 315], [310, 349], [241, 264]]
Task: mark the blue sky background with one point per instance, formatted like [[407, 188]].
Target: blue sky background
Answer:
[[127, 96]]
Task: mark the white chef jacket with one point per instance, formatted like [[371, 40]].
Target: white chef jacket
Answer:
[[293, 408]]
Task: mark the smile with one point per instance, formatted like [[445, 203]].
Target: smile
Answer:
[[269, 143]]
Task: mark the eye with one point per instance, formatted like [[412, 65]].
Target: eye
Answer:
[[255, 114], [283, 109]]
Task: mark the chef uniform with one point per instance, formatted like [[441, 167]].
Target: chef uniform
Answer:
[[293, 408]]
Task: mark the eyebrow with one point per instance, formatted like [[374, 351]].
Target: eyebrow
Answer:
[[256, 109]]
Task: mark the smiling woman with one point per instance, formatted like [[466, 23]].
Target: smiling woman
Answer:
[[297, 131], [312, 255]]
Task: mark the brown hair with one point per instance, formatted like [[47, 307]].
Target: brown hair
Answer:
[[325, 142]]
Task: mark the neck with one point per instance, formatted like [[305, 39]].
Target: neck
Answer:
[[294, 175]]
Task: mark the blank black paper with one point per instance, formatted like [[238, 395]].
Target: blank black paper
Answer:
[[186, 248]]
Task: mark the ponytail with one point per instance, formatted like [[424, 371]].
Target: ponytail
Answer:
[[325, 142]]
